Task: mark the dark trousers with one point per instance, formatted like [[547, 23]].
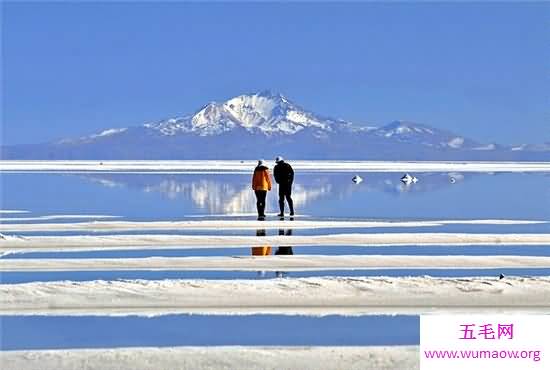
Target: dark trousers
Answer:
[[260, 201], [285, 191]]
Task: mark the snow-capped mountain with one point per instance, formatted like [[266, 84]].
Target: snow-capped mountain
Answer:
[[265, 112], [267, 124]]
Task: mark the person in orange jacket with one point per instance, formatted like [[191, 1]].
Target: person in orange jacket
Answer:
[[261, 184]]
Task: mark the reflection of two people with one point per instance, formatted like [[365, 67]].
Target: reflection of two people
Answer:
[[265, 250]]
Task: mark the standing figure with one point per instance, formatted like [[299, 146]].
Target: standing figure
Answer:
[[261, 184], [284, 176]]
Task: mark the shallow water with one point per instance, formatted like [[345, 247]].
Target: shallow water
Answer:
[[27, 277], [490, 250], [317, 196], [443, 228], [381, 195], [49, 332]]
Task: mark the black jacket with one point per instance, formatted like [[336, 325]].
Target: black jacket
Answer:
[[283, 173]]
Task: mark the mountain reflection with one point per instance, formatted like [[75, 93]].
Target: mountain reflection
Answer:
[[218, 197], [232, 194], [227, 194]]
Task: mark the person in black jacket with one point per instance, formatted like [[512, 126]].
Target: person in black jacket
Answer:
[[284, 176]]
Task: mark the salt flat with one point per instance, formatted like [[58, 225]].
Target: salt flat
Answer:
[[226, 357], [16, 244], [305, 296], [12, 211], [239, 224], [274, 263], [56, 217], [228, 166]]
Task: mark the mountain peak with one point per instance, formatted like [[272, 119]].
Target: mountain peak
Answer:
[[266, 112], [270, 114], [401, 127], [404, 124], [269, 94], [255, 124], [263, 97]]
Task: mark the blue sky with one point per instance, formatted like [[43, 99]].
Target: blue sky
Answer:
[[480, 69]]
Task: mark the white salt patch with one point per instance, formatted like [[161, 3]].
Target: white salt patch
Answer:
[[249, 224], [56, 217], [155, 241], [213, 166], [308, 296], [275, 263], [216, 357]]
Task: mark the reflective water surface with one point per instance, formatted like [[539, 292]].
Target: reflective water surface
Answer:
[[334, 195], [381, 196], [41, 332]]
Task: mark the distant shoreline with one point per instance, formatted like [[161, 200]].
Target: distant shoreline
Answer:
[[244, 166]]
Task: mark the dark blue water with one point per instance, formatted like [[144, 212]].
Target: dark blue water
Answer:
[[43, 332]]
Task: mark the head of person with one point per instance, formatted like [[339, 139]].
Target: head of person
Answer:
[[279, 159], [261, 163]]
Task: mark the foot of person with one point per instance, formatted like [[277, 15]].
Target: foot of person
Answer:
[[261, 218], [281, 214], [292, 213]]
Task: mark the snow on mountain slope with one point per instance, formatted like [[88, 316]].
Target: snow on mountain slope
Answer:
[[417, 133], [272, 114], [264, 112], [90, 138], [212, 119], [250, 125]]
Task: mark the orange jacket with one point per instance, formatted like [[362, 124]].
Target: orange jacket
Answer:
[[261, 180], [261, 251]]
